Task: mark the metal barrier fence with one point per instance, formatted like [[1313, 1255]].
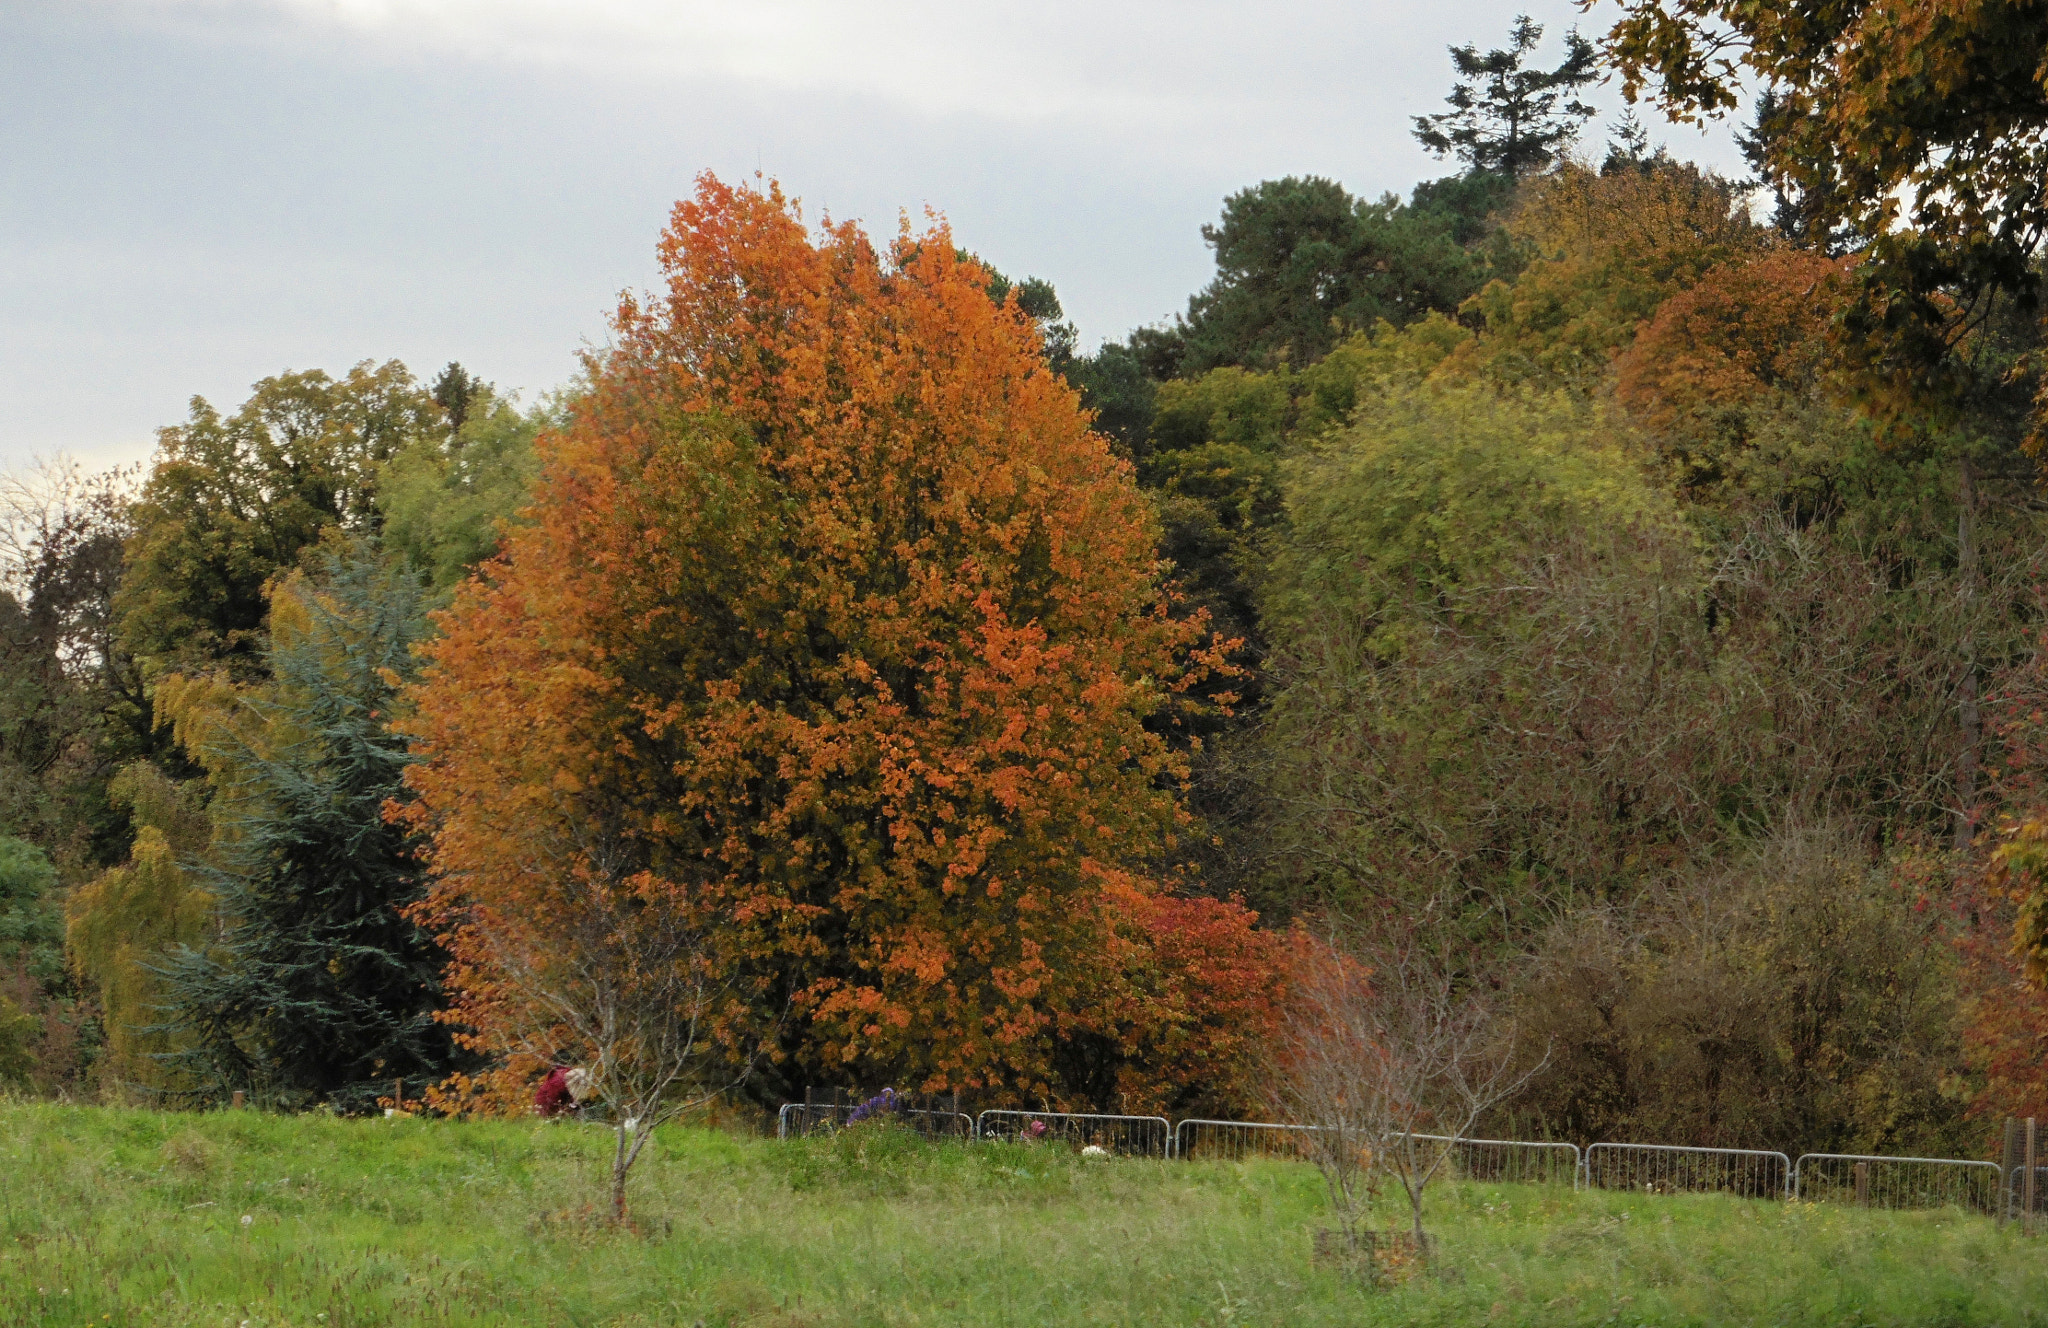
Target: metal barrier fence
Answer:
[[1513, 1161], [1898, 1182], [1753, 1173], [1140, 1136], [2015, 1192], [796, 1120], [1509, 1161], [1870, 1180], [1237, 1141]]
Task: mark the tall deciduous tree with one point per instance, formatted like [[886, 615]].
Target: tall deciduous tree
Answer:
[[232, 500], [1612, 248], [71, 702], [837, 621], [118, 924], [444, 500], [1920, 129]]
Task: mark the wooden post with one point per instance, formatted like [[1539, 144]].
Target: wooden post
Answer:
[[2027, 1179], [239, 1099], [1863, 1185], [398, 1093]]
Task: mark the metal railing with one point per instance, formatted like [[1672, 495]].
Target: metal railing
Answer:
[[1513, 1161], [1753, 1173], [2014, 1191], [1898, 1182], [1502, 1161], [1238, 1141], [1871, 1180], [1131, 1136]]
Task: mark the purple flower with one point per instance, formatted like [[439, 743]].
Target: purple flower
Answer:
[[884, 1101]]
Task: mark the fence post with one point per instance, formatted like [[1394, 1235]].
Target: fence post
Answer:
[[2008, 1149], [1863, 1185], [239, 1099], [2027, 1181]]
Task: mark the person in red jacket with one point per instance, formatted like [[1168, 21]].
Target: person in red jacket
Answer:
[[552, 1097]]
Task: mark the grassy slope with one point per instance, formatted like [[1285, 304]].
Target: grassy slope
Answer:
[[134, 1218]]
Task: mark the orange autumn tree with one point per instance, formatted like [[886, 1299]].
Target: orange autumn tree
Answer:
[[835, 622], [1724, 360]]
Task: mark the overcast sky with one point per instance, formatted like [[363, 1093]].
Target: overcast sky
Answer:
[[197, 193]]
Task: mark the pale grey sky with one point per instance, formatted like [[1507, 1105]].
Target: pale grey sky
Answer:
[[197, 193]]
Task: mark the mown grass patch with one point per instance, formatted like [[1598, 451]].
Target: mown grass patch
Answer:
[[135, 1218]]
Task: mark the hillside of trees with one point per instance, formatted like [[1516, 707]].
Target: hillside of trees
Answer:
[[1632, 577]]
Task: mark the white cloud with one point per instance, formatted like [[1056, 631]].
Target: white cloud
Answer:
[[201, 192], [1150, 62]]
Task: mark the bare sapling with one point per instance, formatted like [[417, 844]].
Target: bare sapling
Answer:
[[1323, 1084], [1392, 1054], [630, 982]]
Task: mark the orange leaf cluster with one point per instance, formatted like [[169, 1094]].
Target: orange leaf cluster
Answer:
[[834, 613], [1747, 330]]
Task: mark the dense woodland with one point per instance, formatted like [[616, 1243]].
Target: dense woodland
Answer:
[[1632, 573]]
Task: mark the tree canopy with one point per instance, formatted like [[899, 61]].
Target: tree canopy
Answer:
[[232, 500], [834, 617], [1919, 129]]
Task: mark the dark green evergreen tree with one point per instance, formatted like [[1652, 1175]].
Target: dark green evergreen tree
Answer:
[[456, 391], [1799, 206], [1301, 263], [31, 926], [1507, 120], [317, 988], [1114, 384]]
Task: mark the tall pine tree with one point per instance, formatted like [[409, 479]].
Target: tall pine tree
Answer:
[[315, 987], [1508, 120]]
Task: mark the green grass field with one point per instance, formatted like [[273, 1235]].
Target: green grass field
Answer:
[[135, 1218]]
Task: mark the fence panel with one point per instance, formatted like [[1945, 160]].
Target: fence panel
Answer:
[[1898, 1182], [1132, 1136], [1513, 1161], [2015, 1191], [1237, 1141], [1668, 1169], [1508, 1161]]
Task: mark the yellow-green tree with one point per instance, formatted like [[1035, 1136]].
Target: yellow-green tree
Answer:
[[231, 501], [119, 924]]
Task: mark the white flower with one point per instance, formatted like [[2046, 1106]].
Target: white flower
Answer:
[[246, 1219], [1095, 1150]]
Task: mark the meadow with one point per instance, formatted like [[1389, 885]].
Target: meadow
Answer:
[[132, 1218]]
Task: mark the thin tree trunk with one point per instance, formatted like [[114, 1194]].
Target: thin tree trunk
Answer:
[[620, 1161], [1967, 711], [623, 1159]]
